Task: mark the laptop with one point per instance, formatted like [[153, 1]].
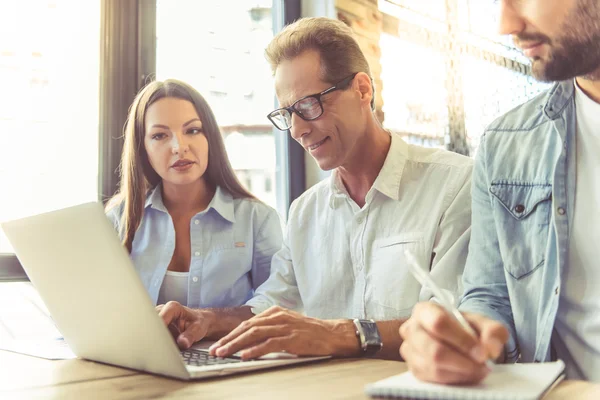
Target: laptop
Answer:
[[86, 279]]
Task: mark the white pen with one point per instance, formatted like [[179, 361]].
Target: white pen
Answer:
[[425, 280]]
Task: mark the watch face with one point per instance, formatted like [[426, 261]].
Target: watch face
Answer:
[[371, 333]]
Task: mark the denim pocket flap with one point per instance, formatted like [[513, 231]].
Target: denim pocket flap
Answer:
[[521, 199]]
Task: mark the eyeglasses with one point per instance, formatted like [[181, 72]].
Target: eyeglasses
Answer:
[[308, 108]]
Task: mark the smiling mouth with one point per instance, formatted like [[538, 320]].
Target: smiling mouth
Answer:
[[316, 145]]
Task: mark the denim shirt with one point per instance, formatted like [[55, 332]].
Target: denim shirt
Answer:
[[523, 194], [232, 244]]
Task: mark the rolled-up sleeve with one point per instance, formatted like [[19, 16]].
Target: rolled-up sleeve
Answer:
[[280, 288]]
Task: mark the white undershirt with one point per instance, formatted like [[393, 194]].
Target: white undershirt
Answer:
[[578, 319], [174, 288]]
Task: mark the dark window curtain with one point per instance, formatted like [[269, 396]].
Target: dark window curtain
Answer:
[[128, 57]]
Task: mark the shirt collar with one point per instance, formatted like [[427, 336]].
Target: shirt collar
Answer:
[[337, 190], [388, 179], [154, 199], [558, 98], [222, 203]]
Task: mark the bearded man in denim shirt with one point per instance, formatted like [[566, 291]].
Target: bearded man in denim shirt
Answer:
[[532, 276]]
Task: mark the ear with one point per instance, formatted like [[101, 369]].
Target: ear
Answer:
[[365, 87]]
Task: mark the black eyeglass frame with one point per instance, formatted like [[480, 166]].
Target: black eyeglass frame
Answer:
[[341, 85]]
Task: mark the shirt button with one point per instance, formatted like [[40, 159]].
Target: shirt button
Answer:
[[556, 291], [195, 279], [197, 253], [196, 222], [520, 208], [359, 220], [561, 211]]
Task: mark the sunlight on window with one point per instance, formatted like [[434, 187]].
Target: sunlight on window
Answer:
[[422, 66], [49, 106], [478, 22], [487, 99], [414, 93], [218, 47], [431, 9]]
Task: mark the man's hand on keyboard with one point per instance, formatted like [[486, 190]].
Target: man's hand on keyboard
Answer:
[[278, 329]]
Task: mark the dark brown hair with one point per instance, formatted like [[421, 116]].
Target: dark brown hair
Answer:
[[138, 176]]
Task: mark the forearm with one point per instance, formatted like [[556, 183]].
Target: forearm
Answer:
[[345, 343], [224, 320], [390, 336]]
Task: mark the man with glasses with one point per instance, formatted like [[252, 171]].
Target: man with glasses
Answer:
[[308, 108], [340, 285], [532, 278]]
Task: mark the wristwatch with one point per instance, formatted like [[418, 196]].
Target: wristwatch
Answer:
[[368, 336]]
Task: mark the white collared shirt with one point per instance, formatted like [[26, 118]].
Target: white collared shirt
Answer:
[[342, 261]]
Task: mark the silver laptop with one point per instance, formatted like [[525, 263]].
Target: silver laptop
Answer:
[[84, 276]]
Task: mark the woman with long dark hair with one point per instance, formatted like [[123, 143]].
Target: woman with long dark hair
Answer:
[[194, 234]]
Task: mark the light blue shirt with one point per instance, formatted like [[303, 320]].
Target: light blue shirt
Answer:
[[523, 196], [232, 243]]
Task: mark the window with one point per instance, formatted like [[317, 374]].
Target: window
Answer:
[[437, 59], [69, 79], [218, 47], [415, 96], [486, 99], [49, 106]]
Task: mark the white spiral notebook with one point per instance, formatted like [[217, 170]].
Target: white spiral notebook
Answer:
[[505, 382]]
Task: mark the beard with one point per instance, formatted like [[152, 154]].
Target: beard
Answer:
[[576, 52]]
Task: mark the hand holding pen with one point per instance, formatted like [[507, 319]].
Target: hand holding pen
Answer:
[[444, 346]]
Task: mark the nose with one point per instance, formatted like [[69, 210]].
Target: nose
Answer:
[[179, 144], [510, 21], [299, 127]]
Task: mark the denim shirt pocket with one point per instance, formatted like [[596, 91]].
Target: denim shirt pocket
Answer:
[[523, 212]]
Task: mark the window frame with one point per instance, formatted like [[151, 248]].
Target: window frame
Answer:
[[452, 43], [291, 166], [127, 61]]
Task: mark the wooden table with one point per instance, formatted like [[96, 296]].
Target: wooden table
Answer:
[[24, 377]]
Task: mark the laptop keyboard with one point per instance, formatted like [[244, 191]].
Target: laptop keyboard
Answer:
[[201, 357]]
